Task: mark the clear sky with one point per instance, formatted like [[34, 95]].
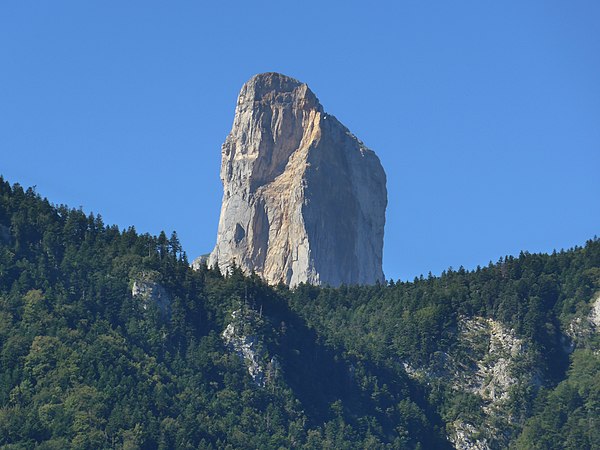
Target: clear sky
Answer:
[[485, 114]]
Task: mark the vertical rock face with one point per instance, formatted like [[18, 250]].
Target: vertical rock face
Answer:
[[304, 200]]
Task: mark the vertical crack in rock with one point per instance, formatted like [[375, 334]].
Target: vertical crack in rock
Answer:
[[303, 199]]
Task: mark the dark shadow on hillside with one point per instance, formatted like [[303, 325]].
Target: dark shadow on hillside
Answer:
[[319, 376]]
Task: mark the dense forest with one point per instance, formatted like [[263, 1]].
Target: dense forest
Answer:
[[86, 362]]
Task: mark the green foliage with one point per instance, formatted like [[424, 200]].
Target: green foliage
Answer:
[[86, 365], [83, 364], [568, 417]]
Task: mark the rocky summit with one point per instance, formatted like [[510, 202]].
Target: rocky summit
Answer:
[[304, 200]]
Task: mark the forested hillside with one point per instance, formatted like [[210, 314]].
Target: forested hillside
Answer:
[[110, 340]]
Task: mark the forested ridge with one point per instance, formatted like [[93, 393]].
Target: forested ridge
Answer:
[[85, 364]]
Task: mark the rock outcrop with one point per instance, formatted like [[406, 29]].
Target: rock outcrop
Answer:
[[239, 339], [150, 292], [304, 200], [584, 330], [492, 366]]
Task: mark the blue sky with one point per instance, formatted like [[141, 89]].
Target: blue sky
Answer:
[[485, 114]]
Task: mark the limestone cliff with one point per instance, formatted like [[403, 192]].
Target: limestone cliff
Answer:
[[492, 367], [304, 200], [583, 331], [150, 292], [242, 337]]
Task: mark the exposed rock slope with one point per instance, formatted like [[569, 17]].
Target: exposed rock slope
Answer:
[[239, 336], [304, 200], [493, 366], [150, 292], [584, 330]]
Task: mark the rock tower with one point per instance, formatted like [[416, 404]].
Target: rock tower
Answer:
[[303, 199]]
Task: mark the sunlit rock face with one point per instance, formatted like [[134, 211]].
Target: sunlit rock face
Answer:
[[304, 200]]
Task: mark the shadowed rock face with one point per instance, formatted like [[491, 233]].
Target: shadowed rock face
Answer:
[[304, 200]]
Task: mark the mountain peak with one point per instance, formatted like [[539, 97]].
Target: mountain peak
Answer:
[[304, 200], [276, 88]]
